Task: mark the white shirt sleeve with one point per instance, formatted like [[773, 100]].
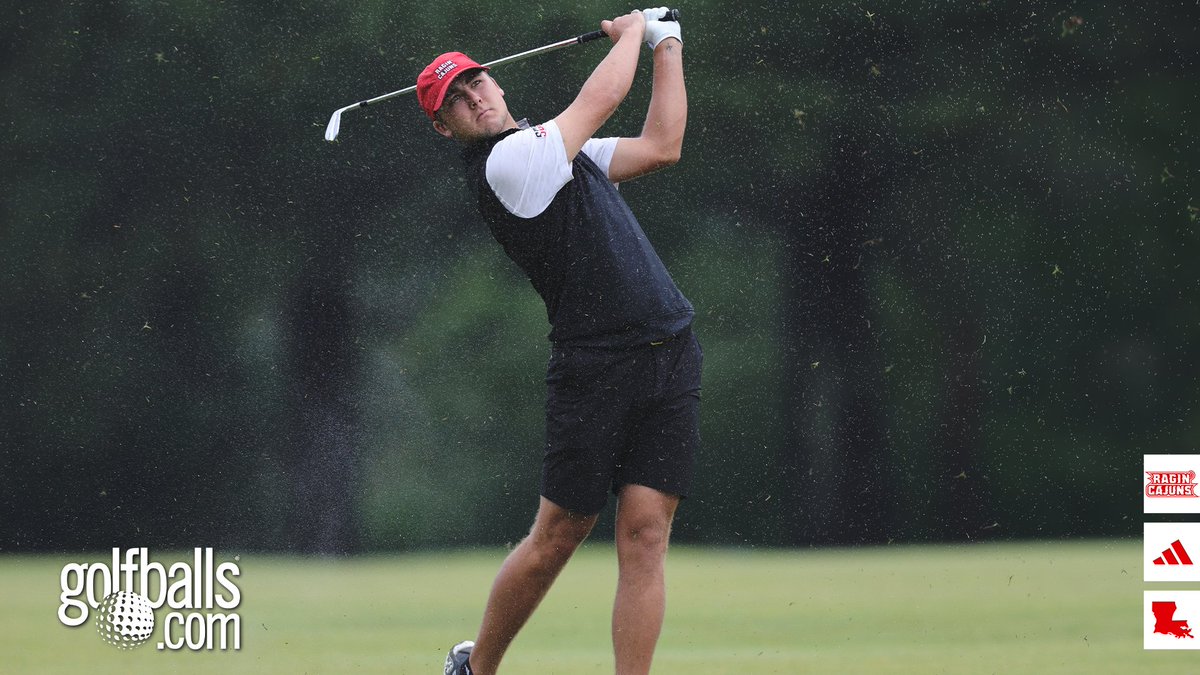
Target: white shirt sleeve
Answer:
[[527, 169], [601, 150]]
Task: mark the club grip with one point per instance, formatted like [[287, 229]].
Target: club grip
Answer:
[[672, 15]]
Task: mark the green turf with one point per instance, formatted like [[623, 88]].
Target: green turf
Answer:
[[1010, 608]]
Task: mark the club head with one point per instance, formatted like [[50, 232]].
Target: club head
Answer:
[[335, 125]]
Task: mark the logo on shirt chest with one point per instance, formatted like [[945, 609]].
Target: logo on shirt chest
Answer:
[[539, 131]]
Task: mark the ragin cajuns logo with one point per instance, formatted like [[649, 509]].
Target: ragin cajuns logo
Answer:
[[1170, 483]]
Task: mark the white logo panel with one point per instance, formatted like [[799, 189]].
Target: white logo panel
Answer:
[[1169, 483], [1171, 552], [1169, 617]]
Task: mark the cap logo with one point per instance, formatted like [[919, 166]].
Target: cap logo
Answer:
[[445, 68]]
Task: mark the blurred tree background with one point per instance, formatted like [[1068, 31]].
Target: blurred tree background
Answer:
[[943, 255]]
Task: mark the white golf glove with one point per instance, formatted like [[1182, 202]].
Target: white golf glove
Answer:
[[658, 30]]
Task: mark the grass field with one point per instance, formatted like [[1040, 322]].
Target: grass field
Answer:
[[997, 608]]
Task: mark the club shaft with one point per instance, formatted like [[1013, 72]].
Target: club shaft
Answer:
[[498, 62], [578, 39], [335, 122]]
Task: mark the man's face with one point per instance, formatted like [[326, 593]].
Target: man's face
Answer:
[[473, 109]]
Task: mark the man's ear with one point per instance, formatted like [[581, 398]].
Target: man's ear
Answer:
[[442, 129]]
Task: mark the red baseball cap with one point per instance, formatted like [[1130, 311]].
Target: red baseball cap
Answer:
[[437, 77]]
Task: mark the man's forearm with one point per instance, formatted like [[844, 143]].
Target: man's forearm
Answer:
[[601, 93], [667, 116], [609, 83]]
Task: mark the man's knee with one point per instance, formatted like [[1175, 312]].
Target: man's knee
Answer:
[[649, 535], [556, 534], [642, 540], [557, 544], [644, 521]]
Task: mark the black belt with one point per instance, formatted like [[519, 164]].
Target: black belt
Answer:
[[659, 343]]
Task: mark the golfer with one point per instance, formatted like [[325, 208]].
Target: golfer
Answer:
[[622, 409]]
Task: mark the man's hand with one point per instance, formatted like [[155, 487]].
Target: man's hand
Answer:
[[658, 30], [632, 22]]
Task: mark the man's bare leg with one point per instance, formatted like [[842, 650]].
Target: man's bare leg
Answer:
[[644, 518], [524, 578]]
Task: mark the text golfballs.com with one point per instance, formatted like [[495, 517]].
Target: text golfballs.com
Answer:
[[125, 595]]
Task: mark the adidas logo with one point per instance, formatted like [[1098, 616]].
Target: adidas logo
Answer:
[[1175, 555]]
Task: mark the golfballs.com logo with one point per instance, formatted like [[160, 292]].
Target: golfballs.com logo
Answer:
[[125, 619], [123, 598]]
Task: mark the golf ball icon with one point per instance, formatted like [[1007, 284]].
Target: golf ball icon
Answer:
[[125, 619]]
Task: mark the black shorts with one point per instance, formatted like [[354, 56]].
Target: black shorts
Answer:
[[616, 417]]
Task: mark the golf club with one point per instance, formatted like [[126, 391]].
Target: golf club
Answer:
[[335, 121]]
